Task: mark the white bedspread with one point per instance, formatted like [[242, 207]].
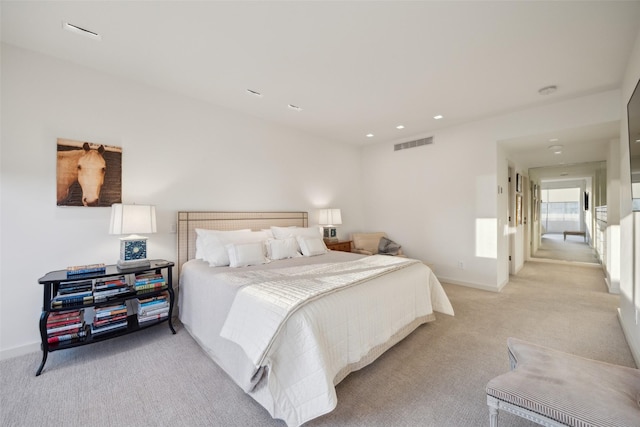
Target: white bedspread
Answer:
[[321, 342], [269, 297]]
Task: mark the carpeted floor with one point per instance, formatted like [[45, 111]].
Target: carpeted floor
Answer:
[[574, 248], [435, 377]]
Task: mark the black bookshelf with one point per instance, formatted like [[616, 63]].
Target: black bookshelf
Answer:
[[53, 280]]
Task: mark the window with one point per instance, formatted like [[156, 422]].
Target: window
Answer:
[[560, 209]]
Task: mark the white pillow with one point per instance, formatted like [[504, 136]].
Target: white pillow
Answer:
[[287, 232], [311, 246], [246, 254], [215, 251], [202, 234], [282, 248]]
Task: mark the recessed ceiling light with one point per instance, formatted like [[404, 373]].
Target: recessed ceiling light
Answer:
[[254, 92], [399, 127], [553, 140], [294, 107], [82, 31], [557, 149], [438, 117], [548, 90], [369, 135]]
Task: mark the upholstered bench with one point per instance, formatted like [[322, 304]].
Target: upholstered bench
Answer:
[[553, 388], [575, 233]]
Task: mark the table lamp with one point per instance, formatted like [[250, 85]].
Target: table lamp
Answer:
[[329, 218], [132, 219]]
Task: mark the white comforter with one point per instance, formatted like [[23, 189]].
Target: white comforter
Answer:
[[321, 342]]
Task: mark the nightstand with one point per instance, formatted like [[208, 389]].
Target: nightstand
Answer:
[[343, 245]]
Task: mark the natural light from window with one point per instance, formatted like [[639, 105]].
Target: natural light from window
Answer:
[[560, 209], [486, 242]]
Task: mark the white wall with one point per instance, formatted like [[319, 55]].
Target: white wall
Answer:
[[441, 201], [612, 246], [629, 246], [178, 153]]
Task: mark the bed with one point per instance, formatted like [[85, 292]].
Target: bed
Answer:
[[289, 330]]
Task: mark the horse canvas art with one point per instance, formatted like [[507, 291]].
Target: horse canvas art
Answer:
[[86, 173]]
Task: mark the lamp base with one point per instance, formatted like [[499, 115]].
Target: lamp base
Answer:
[[330, 233], [133, 252]]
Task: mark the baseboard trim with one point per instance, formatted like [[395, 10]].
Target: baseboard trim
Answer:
[[20, 351], [628, 336], [471, 284]]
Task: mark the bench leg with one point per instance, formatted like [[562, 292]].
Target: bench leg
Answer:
[[493, 411]]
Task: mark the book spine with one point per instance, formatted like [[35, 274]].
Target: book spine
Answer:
[[71, 273], [153, 311], [64, 328], [149, 280], [150, 286], [71, 302], [66, 337], [149, 318], [109, 313]]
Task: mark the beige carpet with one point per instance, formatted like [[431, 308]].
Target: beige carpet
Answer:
[[435, 377], [574, 248]]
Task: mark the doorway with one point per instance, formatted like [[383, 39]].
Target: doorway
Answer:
[[564, 234]]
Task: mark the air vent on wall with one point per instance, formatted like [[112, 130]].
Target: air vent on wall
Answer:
[[412, 144]]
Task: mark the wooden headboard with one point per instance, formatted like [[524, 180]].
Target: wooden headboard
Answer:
[[189, 221]]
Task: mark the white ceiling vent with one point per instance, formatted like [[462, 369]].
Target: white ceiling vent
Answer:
[[412, 144]]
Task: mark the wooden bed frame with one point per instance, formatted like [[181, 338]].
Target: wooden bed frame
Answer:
[[212, 220]]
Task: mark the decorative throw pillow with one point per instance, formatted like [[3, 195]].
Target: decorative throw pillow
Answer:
[[203, 235], [282, 248], [215, 251], [311, 246], [246, 254], [388, 247], [294, 232]]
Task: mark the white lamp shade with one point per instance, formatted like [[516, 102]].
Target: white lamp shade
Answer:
[[330, 217], [132, 219]]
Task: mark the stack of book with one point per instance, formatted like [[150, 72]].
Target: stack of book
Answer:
[[153, 308], [109, 318], [148, 282], [110, 288], [75, 293], [66, 326], [79, 270]]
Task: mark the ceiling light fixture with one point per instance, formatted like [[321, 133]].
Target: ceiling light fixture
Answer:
[[438, 117], [369, 135], [557, 149], [548, 90], [553, 140], [399, 127], [294, 107], [254, 92], [82, 31], [564, 174]]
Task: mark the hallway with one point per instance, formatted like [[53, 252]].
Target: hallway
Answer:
[[574, 249]]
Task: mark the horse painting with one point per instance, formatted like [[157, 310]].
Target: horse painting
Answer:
[[86, 166]]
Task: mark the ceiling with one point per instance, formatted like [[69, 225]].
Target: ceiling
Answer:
[[354, 67]]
